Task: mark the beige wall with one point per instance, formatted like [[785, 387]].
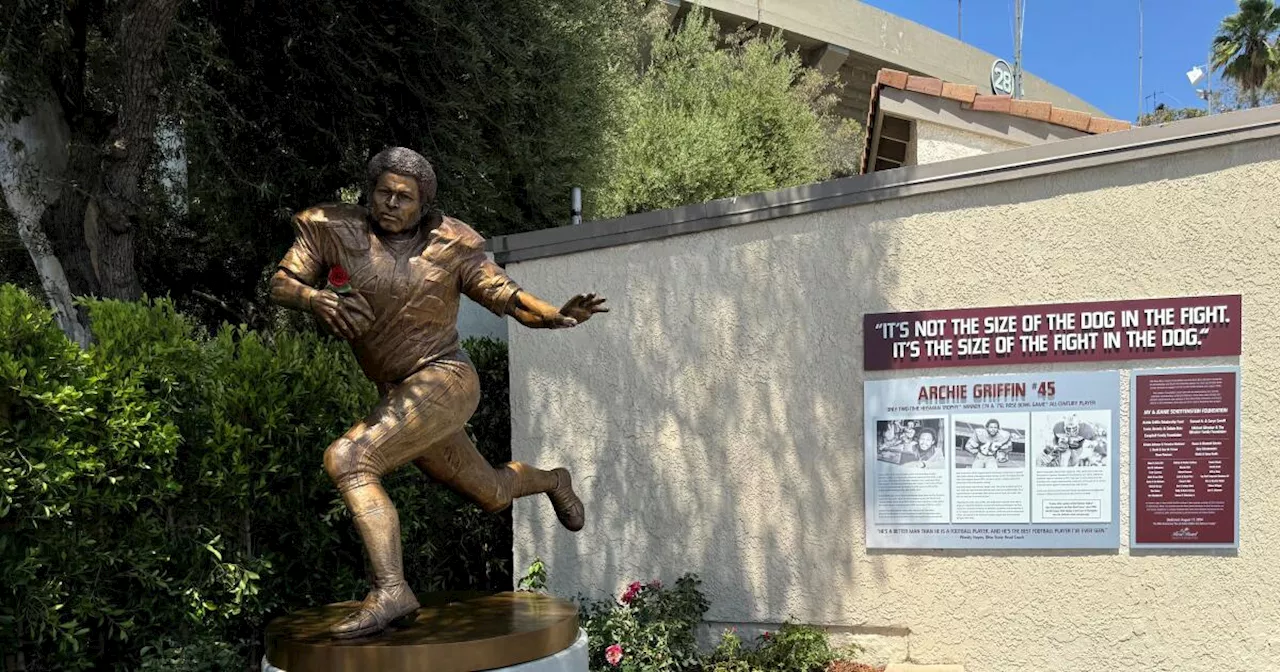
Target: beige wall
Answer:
[[936, 142], [714, 418]]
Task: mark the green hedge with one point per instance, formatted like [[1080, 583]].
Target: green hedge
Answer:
[[164, 488]]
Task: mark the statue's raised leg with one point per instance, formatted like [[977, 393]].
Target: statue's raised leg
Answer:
[[456, 463]]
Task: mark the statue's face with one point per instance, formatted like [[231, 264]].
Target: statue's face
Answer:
[[395, 202]]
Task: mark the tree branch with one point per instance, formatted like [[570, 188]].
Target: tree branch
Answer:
[[240, 317]]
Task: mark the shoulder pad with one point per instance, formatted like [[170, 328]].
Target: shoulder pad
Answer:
[[457, 231], [340, 223], [329, 214]]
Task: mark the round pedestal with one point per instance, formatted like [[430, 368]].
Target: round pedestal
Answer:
[[452, 633]]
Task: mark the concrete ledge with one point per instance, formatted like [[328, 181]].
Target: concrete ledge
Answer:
[[912, 667]]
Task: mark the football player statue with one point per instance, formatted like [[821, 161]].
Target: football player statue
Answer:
[[396, 272]]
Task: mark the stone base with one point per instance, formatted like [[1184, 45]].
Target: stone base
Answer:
[[454, 632], [576, 658]]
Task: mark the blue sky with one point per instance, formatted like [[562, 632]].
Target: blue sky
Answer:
[[1089, 47]]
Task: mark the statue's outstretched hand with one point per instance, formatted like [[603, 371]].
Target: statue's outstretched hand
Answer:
[[579, 309]]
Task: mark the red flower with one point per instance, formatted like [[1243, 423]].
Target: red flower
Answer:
[[632, 590], [768, 635], [339, 281], [613, 654]]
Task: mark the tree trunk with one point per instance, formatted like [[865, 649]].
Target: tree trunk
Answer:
[[51, 276], [144, 29], [33, 162], [65, 219]]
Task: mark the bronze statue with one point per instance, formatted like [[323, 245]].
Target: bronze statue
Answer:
[[396, 273]]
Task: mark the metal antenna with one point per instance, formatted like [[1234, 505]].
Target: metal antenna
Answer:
[[1141, 108], [1017, 49]]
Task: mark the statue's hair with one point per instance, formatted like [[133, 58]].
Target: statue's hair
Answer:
[[409, 163]]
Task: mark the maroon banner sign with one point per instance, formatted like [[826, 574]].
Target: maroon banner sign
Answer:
[[1185, 468], [1207, 326]]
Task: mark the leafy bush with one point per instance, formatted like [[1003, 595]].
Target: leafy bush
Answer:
[[793, 648], [535, 577], [166, 487], [653, 628], [198, 656], [705, 120]]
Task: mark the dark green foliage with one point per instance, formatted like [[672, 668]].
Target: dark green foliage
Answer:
[[282, 103], [164, 489], [15, 261], [285, 102], [205, 655]]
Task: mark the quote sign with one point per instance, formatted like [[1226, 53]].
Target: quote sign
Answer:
[[1099, 331]]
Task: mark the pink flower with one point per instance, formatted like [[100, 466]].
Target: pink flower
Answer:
[[613, 654], [768, 635], [632, 591]]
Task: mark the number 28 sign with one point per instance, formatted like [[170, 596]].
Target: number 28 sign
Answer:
[[1001, 78]]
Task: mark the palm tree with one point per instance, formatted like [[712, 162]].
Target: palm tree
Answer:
[[1242, 46]]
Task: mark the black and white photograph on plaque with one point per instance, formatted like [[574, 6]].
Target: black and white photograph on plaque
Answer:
[[916, 444], [1071, 439], [994, 441]]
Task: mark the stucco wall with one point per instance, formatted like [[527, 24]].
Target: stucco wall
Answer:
[[936, 142], [713, 419]]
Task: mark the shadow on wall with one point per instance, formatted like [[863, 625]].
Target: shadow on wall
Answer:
[[713, 419], [707, 431]]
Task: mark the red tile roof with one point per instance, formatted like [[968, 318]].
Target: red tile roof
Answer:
[[969, 98]]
